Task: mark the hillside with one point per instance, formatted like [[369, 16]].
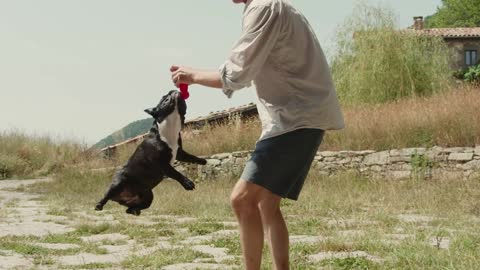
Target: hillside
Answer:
[[129, 131]]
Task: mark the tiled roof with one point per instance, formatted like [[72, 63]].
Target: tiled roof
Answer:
[[465, 32], [225, 114]]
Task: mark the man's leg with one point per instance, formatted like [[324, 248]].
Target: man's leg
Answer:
[[275, 229], [244, 201]]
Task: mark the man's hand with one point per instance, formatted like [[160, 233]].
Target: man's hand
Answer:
[[181, 74], [187, 75]]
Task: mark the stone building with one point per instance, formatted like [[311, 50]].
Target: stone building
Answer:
[[464, 41]]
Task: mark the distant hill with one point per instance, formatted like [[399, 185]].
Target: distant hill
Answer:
[[129, 131]]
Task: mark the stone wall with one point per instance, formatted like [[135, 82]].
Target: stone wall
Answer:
[[436, 162]]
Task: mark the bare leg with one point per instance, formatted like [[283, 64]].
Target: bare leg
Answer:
[[245, 205], [275, 230]]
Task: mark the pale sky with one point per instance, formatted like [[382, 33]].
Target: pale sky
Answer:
[[82, 69]]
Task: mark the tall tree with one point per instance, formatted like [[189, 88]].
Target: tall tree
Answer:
[[456, 13]]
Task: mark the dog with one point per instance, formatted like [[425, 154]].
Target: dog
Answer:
[[153, 159]]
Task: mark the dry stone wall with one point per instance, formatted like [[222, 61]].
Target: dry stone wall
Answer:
[[435, 162]]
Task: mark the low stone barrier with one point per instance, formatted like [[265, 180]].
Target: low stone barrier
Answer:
[[435, 162]]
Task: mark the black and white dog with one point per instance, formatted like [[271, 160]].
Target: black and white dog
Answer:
[[153, 159]]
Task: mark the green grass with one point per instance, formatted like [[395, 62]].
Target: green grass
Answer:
[[162, 258], [91, 266], [351, 263], [230, 242], [204, 228]]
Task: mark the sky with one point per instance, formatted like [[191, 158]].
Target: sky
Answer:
[[82, 69]]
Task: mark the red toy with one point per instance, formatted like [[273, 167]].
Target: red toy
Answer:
[[184, 91]]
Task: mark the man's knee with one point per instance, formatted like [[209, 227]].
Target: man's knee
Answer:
[[269, 206], [241, 203], [244, 197]]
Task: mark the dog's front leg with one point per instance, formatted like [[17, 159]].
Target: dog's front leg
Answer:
[[186, 157], [174, 174]]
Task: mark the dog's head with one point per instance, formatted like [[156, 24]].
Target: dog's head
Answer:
[[169, 104]]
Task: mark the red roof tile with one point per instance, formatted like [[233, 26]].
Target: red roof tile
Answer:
[[465, 32]]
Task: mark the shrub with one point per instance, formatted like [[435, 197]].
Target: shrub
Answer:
[[375, 62], [472, 75], [11, 165]]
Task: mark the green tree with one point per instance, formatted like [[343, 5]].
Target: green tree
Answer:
[[456, 13]]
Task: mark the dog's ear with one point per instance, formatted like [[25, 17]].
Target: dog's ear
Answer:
[[150, 111], [154, 113]]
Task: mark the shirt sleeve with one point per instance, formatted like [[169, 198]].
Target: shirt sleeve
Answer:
[[261, 28]]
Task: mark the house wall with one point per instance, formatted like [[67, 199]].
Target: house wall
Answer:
[[459, 46]]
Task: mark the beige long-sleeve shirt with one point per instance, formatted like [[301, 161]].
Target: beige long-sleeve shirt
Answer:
[[280, 53]]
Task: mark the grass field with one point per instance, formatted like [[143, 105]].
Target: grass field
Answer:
[[396, 224]]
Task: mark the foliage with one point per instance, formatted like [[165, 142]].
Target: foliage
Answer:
[[469, 75], [455, 13], [421, 166], [472, 75]]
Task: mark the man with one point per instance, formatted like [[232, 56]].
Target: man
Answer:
[[297, 101]]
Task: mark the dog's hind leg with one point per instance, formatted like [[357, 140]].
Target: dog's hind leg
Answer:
[[174, 174], [146, 200], [112, 191]]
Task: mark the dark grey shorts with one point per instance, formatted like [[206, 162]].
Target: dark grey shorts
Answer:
[[281, 164]]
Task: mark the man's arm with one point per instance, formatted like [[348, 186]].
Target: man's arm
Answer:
[[261, 30], [188, 75]]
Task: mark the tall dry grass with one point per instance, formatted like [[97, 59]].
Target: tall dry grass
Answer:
[[451, 118], [448, 119], [28, 156], [235, 135]]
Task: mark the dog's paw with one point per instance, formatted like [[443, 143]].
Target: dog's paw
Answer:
[[98, 207], [202, 161], [188, 185], [134, 211]]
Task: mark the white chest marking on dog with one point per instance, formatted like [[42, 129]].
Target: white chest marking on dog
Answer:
[[169, 130]]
